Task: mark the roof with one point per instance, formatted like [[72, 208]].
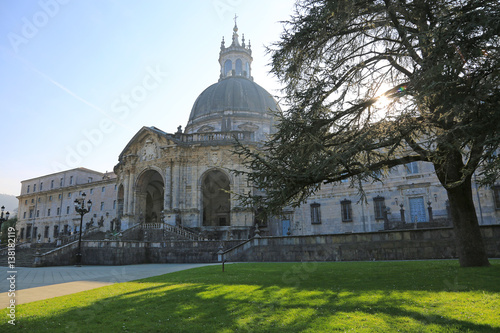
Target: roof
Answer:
[[233, 94]]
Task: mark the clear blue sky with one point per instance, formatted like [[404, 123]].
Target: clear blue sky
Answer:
[[69, 67]]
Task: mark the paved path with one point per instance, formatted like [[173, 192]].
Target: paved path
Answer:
[[33, 284]]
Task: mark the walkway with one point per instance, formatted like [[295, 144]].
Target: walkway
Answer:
[[33, 284]]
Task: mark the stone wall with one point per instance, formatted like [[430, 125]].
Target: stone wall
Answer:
[[436, 243], [111, 252]]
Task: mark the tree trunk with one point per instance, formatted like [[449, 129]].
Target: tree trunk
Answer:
[[470, 246]]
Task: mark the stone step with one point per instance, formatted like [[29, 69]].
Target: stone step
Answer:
[[25, 256]]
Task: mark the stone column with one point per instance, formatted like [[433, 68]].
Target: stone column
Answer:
[[125, 192], [130, 196], [402, 212], [429, 209], [168, 188]]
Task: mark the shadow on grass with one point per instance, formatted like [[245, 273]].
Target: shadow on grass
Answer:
[[268, 298], [403, 275]]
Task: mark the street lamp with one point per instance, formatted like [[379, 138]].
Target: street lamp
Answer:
[[80, 209], [2, 219]]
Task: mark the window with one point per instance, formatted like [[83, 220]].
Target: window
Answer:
[[48, 212], [411, 168], [24, 216], [346, 210], [315, 213], [67, 210], [239, 67], [46, 232], [116, 186], [61, 182], [51, 184], [91, 191], [37, 213], [28, 232], [31, 213], [69, 194], [226, 124], [103, 189], [60, 196], [28, 189], [90, 180], [496, 195], [58, 211], [32, 200], [71, 180], [56, 231], [379, 207], [50, 198], [22, 233], [228, 66], [102, 206], [41, 186], [39, 199], [25, 202], [34, 187], [114, 204]]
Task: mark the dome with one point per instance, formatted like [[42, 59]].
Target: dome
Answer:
[[237, 94]]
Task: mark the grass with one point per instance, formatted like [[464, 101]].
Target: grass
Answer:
[[416, 296]]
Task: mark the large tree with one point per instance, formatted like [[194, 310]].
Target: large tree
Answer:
[[434, 62]]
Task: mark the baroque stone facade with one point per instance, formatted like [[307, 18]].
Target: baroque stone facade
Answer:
[[184, 178]]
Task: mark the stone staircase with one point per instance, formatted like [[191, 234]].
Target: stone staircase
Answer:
[[24, 256], [168, 232], [91, 234]]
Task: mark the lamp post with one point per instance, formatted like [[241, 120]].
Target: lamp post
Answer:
[[80, 209], [2, 219]]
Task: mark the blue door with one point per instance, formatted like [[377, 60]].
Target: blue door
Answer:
[[285, 227], [417, 210]]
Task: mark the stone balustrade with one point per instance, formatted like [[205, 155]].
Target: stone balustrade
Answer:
[[218, 136]]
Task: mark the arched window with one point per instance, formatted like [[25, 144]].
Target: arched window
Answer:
[[239, 67], [247, 69], [228, 66]]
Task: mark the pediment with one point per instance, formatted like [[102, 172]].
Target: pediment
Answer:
[[145, 144]]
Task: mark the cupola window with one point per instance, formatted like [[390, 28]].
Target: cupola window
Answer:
[[239, 67], [228, 66]]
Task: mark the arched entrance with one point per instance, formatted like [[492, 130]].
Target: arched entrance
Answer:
[[216, 199], [150, 193]]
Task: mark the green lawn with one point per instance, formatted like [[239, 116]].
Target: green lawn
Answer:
[[417, 296]]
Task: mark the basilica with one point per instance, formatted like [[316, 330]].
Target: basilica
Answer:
[[184, 179]]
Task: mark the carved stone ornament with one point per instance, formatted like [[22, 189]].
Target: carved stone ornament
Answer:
[[249, 127], [148, 152], [214, 157], [206, 128]]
